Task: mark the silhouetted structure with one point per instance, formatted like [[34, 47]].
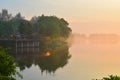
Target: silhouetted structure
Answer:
[[4, 16]]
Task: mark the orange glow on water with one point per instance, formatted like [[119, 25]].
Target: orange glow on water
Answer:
[[47, 54]]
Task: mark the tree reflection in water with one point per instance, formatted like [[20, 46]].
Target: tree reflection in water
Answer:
[[50, 56]]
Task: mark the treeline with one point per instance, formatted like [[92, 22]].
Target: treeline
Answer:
[[42, 26]]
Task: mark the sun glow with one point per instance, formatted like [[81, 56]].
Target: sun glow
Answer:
[[47, 54]]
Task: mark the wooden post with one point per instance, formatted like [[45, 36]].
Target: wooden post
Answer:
[[27, 44], [33, 44], [22, 44], [16, 47]]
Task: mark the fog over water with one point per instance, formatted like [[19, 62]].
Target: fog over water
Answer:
[[93, 56]]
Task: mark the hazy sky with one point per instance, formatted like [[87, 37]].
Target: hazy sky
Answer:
[[84, 16]]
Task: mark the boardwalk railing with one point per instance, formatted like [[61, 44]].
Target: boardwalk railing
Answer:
[[27, 43]]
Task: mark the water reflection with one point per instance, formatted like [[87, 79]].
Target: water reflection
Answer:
[[49, 56], [92, 57]]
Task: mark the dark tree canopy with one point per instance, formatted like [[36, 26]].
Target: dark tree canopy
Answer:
[[6, 28], [25, 27], [52, 26]]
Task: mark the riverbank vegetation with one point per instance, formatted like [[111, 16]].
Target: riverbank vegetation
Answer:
[[48, 27]]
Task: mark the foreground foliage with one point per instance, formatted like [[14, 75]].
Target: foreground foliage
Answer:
[[110, 77], [7, 66]]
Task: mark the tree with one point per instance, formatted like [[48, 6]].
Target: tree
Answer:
[[7, 66], [51, 26], [18, 17]]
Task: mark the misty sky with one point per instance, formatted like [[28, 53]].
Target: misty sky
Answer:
[[84, 16]]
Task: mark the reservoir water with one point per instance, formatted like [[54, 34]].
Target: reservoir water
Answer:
[[84, 59]]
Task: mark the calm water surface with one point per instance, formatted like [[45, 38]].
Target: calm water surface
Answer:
[[91, 59]]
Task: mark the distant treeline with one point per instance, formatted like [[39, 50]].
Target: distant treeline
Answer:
[[16, 27]]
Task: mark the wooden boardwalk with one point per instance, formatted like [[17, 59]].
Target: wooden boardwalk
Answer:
[[23, 42]]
